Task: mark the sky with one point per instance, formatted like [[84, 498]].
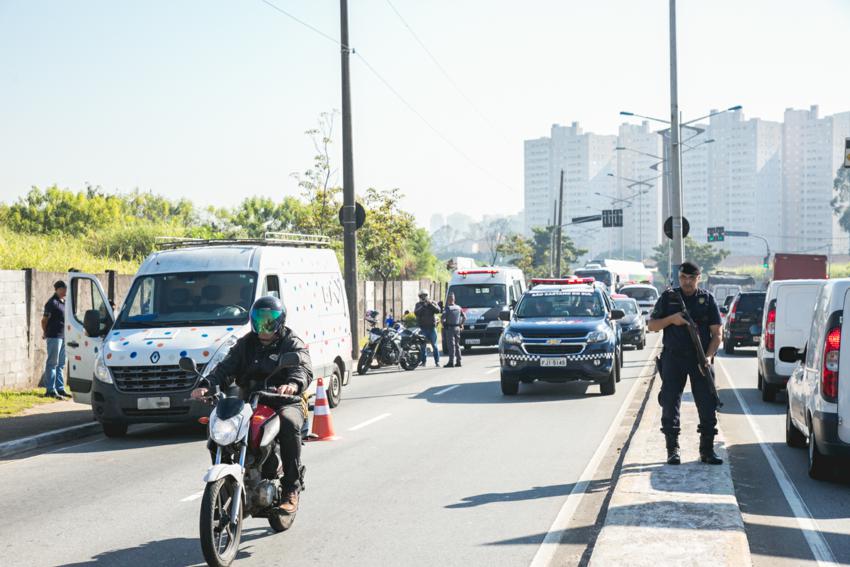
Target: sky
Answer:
[[210, 99]]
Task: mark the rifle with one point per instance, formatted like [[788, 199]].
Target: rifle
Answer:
[[705, 369]]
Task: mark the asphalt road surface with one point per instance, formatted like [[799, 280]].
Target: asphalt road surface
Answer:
[[790, 518], [433, 466]]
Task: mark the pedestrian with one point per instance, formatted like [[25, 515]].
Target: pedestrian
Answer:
[[678, 360], [425, 311], [53, 332], [453, 320]]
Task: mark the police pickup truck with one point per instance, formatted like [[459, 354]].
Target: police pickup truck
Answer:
[[562, 330]]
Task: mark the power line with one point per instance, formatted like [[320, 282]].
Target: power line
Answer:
[[302, 22]]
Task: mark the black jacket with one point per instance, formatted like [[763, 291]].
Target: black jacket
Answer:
[[249, 363], [425, 311]]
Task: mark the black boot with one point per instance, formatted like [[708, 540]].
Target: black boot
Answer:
[[706, 450], [673, 457]]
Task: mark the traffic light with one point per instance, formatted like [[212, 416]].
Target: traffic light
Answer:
[[716, 234], [766, 262]]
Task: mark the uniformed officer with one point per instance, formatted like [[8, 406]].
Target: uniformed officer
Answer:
[[679, 360], [453, 319]]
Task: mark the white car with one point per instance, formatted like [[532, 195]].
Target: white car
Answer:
[[818, 411], [788, 310]]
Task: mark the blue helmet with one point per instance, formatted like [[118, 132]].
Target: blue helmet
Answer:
[[268, 315]]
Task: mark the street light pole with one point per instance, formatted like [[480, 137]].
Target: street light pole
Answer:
[[349, 219], [558, 237], [675, 152]]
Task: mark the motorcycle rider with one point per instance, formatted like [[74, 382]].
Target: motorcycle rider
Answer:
[[255, 357]]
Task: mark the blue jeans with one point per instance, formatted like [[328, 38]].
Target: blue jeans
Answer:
[[55, 366], [431, 335]]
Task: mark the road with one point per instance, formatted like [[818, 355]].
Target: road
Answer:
[[782, 530], [433, 466]]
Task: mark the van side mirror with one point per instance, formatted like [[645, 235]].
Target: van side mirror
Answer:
[[617, 314], [791, 354], [92, 323], [724, 309], [504, 315], [290, 360]]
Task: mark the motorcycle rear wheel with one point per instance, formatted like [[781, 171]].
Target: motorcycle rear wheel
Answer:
[[410, 359], [219, 538]]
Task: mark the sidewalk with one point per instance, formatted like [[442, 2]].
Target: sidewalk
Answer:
[[672, 515], [45, 425]]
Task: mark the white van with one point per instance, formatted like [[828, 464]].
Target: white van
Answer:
[[786, 321], [818, 411], [483, 293], [646, 295], [193, 300]]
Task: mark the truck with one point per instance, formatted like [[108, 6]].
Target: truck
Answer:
[[799, 266]]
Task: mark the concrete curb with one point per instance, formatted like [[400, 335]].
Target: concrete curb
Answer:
[[50, 438], [672, 515]]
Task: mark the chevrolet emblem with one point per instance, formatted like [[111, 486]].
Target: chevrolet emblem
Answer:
[[553, 341]]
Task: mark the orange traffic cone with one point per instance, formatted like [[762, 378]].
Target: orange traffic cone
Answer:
[[323, 423]]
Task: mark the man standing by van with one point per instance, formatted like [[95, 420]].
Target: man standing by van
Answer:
[[53, 332], [453, 320], [425, 311]]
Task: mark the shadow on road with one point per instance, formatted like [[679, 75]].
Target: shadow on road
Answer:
[[754, 402], [490, 393], [554, 491], [140, 436]]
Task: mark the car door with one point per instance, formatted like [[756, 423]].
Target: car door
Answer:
[[85, 295], [795, 305], [844, 374]]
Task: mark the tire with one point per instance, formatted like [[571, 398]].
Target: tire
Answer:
[[760, 382], [728, 348], [619, 372], [768, 391], [793, 436], [527, 380], [215, 507], [364, 363], [642, 344], [820, 466], [620, 360], [114, 430], [510, 387], [410, 360], [467, 349], [609, 386], [334, 390]]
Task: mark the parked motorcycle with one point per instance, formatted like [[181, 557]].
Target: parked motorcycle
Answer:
[[391, 346], [244, 479]]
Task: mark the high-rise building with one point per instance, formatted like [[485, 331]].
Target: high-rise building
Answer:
[[638, 189], [537, 185]]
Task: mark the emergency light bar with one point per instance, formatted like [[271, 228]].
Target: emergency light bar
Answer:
[[561, 281], [465, 273]]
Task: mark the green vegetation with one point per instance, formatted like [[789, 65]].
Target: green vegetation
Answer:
[[13, 402], [705, 255], [533, 255]]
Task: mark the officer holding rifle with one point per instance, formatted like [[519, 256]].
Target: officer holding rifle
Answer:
[[690, 320]]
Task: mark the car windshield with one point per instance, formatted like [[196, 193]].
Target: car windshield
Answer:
[[641, 293], [603, 276], [478, 295], [561, 303], [626, 305], [751, 302], [197, 298]]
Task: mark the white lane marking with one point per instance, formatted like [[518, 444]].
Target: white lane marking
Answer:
[[546, 553], [194, 496], [493, 370], [444, 390], [807, 524], [370, 421]]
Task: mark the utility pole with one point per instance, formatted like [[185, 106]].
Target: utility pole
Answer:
[[675, 152], [558, 232], [349, 220], [552, 240]]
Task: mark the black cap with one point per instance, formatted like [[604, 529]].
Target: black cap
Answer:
[[689, 269], [59, 284]]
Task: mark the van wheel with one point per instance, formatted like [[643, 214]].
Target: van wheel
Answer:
[[728, 348], [768, 391], [819, 464], [114, 429], [609, 386], [510, 386], [334, 390], [793, 436]]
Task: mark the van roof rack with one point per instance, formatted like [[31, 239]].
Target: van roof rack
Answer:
[[268, 239]]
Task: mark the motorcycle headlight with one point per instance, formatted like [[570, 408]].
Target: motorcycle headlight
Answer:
[[497, 323], [101, 371], [512, 338], [224, 431], [598, 337], [219, 355]]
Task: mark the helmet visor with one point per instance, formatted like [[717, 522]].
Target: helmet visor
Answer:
[[265, 320]]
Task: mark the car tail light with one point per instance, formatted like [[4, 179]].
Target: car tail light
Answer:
[[829, 378], [732, 313], [770, 330]]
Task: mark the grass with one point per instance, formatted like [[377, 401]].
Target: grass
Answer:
[[13, 402], [54, 254]]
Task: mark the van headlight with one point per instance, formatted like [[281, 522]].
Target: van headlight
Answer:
[[101, 371], [598, 337], [219, 355], [225, 431], [512, 337]]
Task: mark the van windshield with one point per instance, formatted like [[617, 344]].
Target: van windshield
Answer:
[[196, 298], [641, 293], [479, 295], [603, 276]]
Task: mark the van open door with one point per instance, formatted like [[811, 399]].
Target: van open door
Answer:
[[795, 305], [88, 318], [844, 375]]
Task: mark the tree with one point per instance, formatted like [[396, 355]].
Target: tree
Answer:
[[519, 251], [257, 215], [418, 260], [533, 255], [705, 255], [841, 200], [383, 238], [323, 199], [494, 234]]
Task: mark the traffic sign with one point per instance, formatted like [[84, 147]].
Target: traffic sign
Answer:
[[589, 218], [668, 227], [716, 234], [359, 215], [612, 218]]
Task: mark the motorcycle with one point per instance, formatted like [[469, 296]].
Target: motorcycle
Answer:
[[390, 346], [244, 479]]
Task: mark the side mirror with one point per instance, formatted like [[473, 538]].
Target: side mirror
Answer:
[[91, 323], [617, 314], [187, 365], [513, 304], [790, 354], [290, 360], [504, 315], [724, 310]]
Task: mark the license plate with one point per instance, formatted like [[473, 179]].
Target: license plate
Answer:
[[472, 341], [553, 362], [153, 403]]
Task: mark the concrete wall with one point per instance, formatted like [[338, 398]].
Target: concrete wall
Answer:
[[14, 344]]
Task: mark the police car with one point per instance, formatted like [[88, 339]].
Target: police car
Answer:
[[562, 330]]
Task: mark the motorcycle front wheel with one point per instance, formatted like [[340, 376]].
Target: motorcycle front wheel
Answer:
[[364, 363], [410, 359], [219, 535]]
